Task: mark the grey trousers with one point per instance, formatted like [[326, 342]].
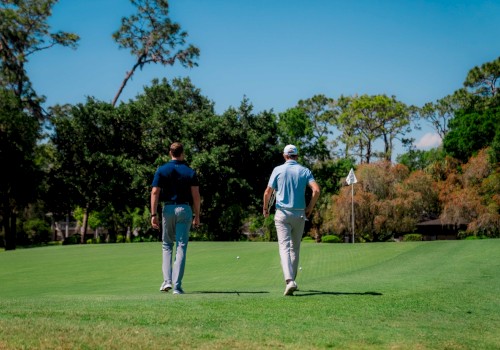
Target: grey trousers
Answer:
[[289, 227], [177, 221]]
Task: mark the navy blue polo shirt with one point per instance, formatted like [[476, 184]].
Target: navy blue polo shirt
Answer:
[[175, 179]]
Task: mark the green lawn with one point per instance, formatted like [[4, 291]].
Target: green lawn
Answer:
[[413, 295]]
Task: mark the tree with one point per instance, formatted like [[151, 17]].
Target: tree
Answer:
[[343, 113], [365, 119], [24, 31], [99, 157], [416, 159], [484, 80], [396, 122], [472, 196], [476, 123], [227, 151], [295, 127], [495, 148], [471, 132], [319, 110], [152, 37], [421, 188], [236, 153], [171, 111], [440, 113], [18, 137], [388, 201]]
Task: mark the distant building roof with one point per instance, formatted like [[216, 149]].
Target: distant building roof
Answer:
[[439, 222]]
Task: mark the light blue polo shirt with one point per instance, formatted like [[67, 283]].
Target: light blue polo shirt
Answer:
[[290, 181]]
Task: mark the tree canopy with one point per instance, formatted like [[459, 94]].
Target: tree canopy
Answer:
[[152, 37], [98, 160], [24, 31]]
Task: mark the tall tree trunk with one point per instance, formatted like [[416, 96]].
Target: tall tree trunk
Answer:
[[129, 235], [9, 224], [368, 154], [66, 230], [387, 147], [127, 77], [361, 150], [85, 223]]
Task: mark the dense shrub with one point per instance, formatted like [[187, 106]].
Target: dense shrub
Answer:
[[75, 239], [308, 239], [412, 237], [37, 231], [470, 238], [331, 239]]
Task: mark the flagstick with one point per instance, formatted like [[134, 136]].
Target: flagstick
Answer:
[[351, 180], [352, 206]]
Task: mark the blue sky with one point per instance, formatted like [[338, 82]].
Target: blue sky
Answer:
[[276, 52]]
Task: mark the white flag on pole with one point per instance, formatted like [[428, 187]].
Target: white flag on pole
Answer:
[[351, 178]]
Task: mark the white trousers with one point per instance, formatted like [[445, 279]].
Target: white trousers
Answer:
[[289, 227]]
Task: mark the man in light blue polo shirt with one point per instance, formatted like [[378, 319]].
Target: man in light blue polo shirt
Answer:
[[290, 180]]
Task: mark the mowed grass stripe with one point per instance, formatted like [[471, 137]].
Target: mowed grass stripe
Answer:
[[415, 295]]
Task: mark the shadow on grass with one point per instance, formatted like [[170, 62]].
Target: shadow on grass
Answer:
[[305, 293], [228, 292], [308, 293]]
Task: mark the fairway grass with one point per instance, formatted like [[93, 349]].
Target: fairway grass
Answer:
[[412, 295]]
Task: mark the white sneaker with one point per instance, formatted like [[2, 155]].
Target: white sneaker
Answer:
[[290, 288], [165, 287], [178, 291]]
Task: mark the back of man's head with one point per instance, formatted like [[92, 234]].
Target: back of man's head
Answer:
[[291, 152], [176, 149]]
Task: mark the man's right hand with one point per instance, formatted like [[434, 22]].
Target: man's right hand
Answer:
[[154, 223], [196, 221]]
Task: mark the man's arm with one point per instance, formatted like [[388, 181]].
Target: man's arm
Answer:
[[195, 193], [267, 194], [314, 198], [155, 196]]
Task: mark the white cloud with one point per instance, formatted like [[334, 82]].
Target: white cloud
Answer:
[[429, 140]]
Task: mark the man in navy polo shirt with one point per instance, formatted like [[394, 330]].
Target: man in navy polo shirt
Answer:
[[176, 185], [290, 180]]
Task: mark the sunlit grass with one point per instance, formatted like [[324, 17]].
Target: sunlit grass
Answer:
[[425, 295]]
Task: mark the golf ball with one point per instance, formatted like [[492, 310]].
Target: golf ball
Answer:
[[237, 257], [300, 268]]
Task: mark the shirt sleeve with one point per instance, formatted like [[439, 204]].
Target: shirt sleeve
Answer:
[[310, 177], [156, 179], [273, 180]]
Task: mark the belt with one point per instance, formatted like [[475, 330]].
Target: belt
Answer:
[[291, 209], [175, 203]]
